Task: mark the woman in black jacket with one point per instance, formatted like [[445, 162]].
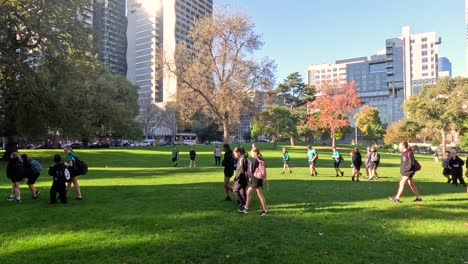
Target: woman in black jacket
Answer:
[[15, 172], [407, 170], [228, 163], [241, 179], [356, 160]]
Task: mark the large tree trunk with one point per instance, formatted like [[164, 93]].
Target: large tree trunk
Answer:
[[10, 146], [225, 132], [332, 137], [292, 140]]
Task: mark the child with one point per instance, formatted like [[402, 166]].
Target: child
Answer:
[[456, 164], [31, 173], [447, 172], [374, 164], [193, 154], [259, 174], [286, 161], [312, 156], [337, 159], [241, 179], [175, 155], [15, 172], [60, 175]]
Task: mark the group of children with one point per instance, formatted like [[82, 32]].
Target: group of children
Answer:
[[64, 174], [452, 166], [372, 162]]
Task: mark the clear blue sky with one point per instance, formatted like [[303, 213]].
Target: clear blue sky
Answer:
[[298, 33]]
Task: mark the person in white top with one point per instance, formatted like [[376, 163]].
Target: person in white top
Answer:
[[217, 155]]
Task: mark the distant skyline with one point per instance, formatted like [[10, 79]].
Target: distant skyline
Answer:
[[300, 33]]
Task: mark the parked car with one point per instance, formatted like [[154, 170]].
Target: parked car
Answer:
[[99, 145], [142, 144], [76, 145], [216, 142]]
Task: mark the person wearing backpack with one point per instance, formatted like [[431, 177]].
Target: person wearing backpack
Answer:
[[228, 163], [193, 155], [240, 179], [15, 172], [407, 170], [32, 170], [70, 163], [356, 160], [337, 160], [286, 161], [60, 174], [175, 156], [312, 157], [456, 164], [259, 174], [374, 164]]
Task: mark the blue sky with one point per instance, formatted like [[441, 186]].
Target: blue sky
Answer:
[[298, 33]]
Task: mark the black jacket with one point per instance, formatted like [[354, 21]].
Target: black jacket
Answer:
[[241, 170], [456, 165], [58, 172], [193, 154], [357, 159], [228, 161], [15, 170], [407, 163]]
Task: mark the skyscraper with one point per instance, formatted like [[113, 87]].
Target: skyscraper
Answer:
[[110, 24], [156, 24], [445, 67]]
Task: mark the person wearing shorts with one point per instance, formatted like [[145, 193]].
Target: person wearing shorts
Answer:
[[356, 160], [286, 161], [447, 172], [312, 156], [228, 163], [70, 163], [407, 170], [175, 156], [336, 161], [30, 175], [256, 184], [374, 164], [15, 172]]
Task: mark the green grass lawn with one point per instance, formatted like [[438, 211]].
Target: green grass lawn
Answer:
[[139, 209]]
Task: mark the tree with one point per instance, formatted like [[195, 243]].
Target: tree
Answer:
[[368, 121], [295, 95], [218, 73], [170, 120], [440, 106], [276, 122], [151, 117], [336, 101], [401, 130]]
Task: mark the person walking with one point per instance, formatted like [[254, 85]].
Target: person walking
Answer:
[[193, 155], [407, 171], [456, 164], [70, 163], [286, 161], [356, 160], [60, 174], [368, 161], [241, 179], [15, 172], [31, 173], [228, 163], [217, 155], [259, 174], [374, 164], [175, 156], [446, 171], [436, 156], [337, 160], [312, 157]]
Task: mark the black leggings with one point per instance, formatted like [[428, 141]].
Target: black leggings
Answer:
[[60, 188]]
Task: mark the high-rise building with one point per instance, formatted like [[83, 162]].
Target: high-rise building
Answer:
[[445, 67], [154, 24], [110, 25], [421, 60], [320, 73], [466, 36]]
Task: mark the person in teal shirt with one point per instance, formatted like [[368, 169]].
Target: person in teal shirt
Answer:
[[70, 162], [336, 156], [312, 157], [286, 161], [175, 155]]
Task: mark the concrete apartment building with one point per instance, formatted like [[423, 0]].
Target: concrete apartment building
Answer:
[[153, 24], [320, 73], [110, 25]]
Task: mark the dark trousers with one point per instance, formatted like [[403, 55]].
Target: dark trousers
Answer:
[[239, 190], [60, 188], [217, 160], [458, 176]]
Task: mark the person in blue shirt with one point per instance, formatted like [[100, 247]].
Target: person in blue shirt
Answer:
[[175, 156], [337, 159], [286, 161], [312, 157]]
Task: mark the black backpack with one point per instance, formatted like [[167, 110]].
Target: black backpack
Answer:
[[340, 159], [81, 167]]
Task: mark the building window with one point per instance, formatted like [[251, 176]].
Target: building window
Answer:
[[424, 60], [424, 53], [423, 39], [423, 46], [424, 67]]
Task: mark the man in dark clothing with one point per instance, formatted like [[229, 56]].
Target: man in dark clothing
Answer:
[[407, 170], [193, 155], [456, 164], [60, 175], [228, 163], [240, 180]]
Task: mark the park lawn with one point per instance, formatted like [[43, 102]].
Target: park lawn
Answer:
[[139, 209]]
